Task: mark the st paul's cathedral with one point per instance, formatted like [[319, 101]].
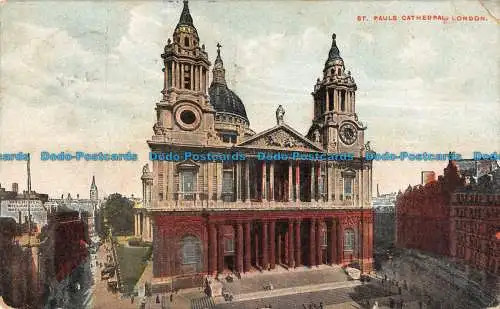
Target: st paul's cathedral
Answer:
[[238, 216]]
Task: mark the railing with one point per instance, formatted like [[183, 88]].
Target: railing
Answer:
[[197, 204]]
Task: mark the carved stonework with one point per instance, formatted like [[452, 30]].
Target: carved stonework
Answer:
[[158, 129], [212, 138], [280, 139], [350, 220]]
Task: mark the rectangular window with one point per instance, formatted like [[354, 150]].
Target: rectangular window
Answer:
[[188, 185], [229, 245], [227, 182], [325, 239], [347, 186]]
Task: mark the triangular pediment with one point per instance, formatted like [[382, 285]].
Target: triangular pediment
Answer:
[[281, 137]]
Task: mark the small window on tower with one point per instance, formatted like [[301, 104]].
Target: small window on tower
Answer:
[[186, 42], [338, 71]]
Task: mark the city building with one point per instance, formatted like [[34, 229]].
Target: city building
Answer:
[[226, 214], [475, 223], [20, 206], [456, 216], [64, 255], [19, 276], [88, 209]]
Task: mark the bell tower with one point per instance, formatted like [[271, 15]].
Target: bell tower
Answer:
[[184, 113], [335, 124]]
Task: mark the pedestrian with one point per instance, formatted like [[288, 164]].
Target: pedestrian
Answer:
[[171, 297], [157, 299], [399, 290], [419, 304], [320, 305], [132, 299]]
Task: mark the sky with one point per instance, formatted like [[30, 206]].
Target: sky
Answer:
[[86, 76]]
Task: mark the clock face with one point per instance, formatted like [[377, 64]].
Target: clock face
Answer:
[[348, 134]]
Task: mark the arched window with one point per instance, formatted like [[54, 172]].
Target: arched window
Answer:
[[349, 240], [186, 42], [190, 250]]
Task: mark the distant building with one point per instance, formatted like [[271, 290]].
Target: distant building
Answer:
[[88, 209], [16, 205], [384, 227]]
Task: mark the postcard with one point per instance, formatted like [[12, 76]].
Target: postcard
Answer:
[[249, 154]]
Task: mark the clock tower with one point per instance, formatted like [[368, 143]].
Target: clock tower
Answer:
[[335, 123]]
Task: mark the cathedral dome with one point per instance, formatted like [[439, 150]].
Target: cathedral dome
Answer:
[[223, 99]]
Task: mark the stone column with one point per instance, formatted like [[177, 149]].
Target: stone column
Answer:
[[265, 250], [264, 181], [200, 77], [327, 100], [248, 248], [191, 76], [136, 225], [219, 181], [212, 248], [220, 247], [319, 242], [271, 181], [313, 178], [340, 243], [145, 227], [329, 182], [238, 181], [182, 75], [354, 101], [298, 251], [291, 251], [239, 248], [272, 243], [333, 242], [210, 180], [290, 182], [247, 180], [312, 243], [206, 82], [297, 181]]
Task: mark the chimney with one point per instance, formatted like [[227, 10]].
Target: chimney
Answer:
[[427, 177], [15, 187], [78, 196]]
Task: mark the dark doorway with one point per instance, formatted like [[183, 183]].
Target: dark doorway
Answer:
[[229, 262]]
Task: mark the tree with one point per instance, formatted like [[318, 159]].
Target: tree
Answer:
[[118, 210]]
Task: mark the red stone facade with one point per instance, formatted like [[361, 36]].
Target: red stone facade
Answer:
[[475, 222], [261, 240], [452, 218]]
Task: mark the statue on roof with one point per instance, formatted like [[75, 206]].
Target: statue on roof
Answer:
[[280, 113], [145, 168]]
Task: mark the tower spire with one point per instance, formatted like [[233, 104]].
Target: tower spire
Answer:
[[334, 53], [186, 18], [219, 73]]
